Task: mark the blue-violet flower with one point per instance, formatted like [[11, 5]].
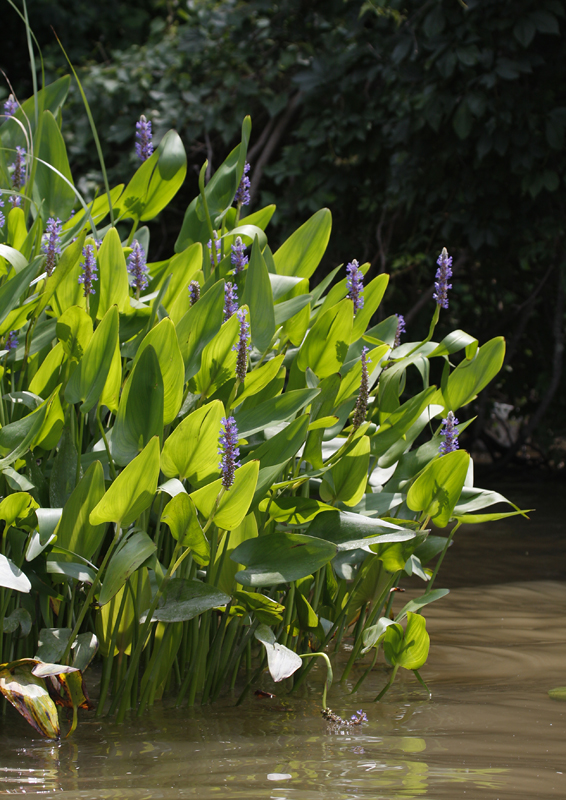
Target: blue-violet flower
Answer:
[[450, 433], [230, 300], [19, 169], [194, 292], [359, 717], [144, 145], [218, 244], [443, 275], [355, 285], [51, 244], [362, 401], [400, 329], [229, 450], [137, 267], [243, 346], [10, 106], [239, 260], [2, 217], [11, 341], [242, 196], [89, 270]]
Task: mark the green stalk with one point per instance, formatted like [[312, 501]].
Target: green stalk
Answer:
[[79, 448], [388, 685], [90, 595], [329, 674], [106, 445], [208, 221], [107, 668]]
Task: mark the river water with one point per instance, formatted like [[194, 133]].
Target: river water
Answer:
[[498, 643]]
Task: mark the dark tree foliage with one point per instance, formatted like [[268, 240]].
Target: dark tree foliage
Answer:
[[420, 124]]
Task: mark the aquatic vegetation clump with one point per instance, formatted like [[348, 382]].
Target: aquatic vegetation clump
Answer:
[[51, 245], [229, 450], [215, 510], [144, 143], [335, 719], [443, 275]]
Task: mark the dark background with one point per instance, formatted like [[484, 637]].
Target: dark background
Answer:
[[420, 124]]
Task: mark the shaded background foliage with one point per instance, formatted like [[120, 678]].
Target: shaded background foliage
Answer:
[[420, 124]]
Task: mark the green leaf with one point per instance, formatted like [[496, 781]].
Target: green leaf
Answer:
[[164, 341], [373, 295], [11, 290], [50, 98], [218, 358], [455, 341], [470, 377], [421, 602], [52, 195], [258, 379], [302, 252], [234, 503], [349, 475], [199, 326], [558, 694], [64, 471], [294, 510], [112, 276], [17, 437], [353, 531], [74, 531], [259, 299], [19, 618], [126, 559], [17, 509], [181, 517], [132, 491], [156, 181], [462, 120], [140, 414], [408, 650], [13, 256], [274, 411], [74, 331], [11, 576], [186, 599], [224, 568], [280, 558], [28, 695], [326, 346], [281, 661], [190, 452], [438, 487], [87, 381]]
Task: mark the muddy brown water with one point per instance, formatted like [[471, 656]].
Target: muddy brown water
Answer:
[[498, 643]]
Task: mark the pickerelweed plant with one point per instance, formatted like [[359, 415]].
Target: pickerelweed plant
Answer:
[[208, 465]]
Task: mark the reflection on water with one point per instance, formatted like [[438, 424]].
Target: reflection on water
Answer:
[[490, 730]]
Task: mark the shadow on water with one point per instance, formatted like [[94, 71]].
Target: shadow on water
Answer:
[[490, 730]]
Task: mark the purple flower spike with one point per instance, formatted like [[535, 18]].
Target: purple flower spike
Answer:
[[137, 267], [230, 300], [11, 341], [362, 401], [355, 285], [89, 270], [218, 245], [2, 217], [144, 145], [239, 260], [10, 106], [243, 347], [15, 201], [242, 197], [194, 292], [443, 275], [51, 244], [400, 330], [359, 717], [229, 450], [19, 169], [450, 433]]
